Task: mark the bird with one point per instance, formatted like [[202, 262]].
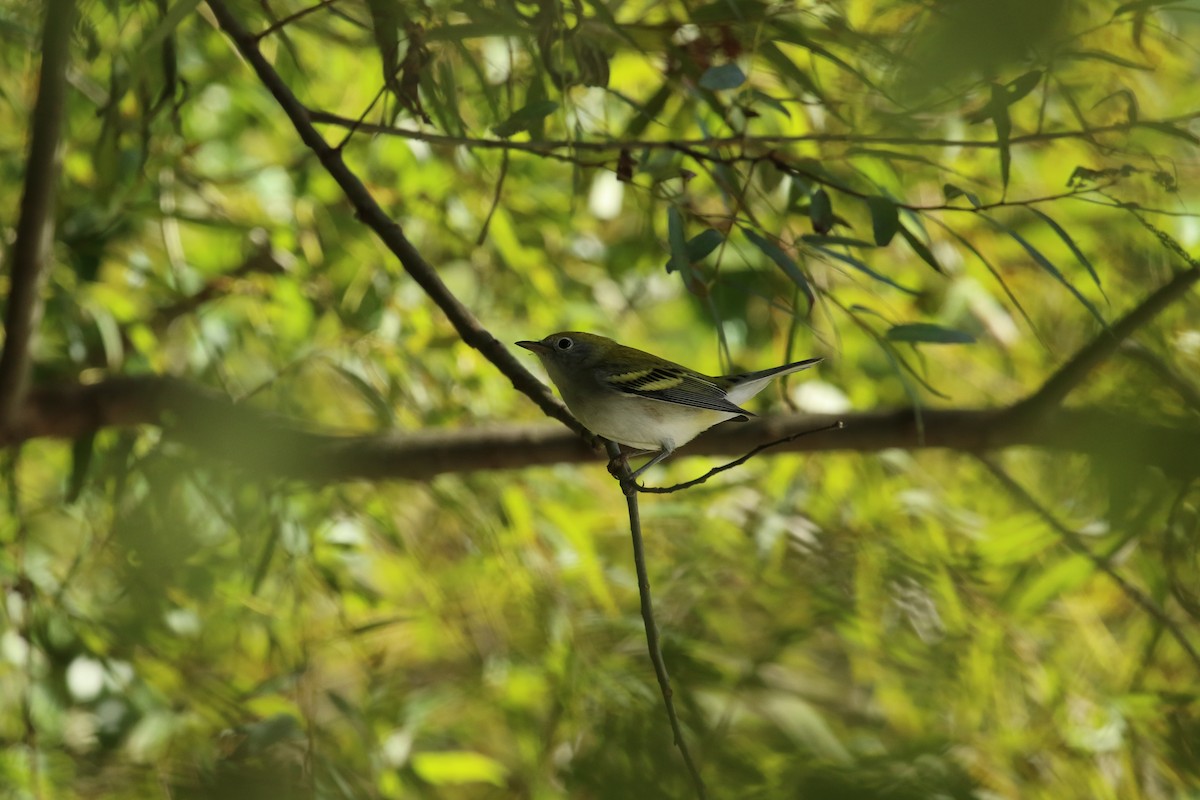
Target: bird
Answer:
[[643, 401]]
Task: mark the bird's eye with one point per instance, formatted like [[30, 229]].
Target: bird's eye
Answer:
[[564, 343]]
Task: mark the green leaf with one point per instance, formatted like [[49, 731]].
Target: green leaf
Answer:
[[1003, 132], [788, 69], [770, 102], [863, 268], [1101, 55], [702, 244], [928, 333], [820, 211], [1066, 237], [952, 192], [524, 118], [685, 254], [830, 241], [1012, 298], [1171, 130], [678, 245], [1022, 85], [921, 249], [648, 112], [456, 767], [1142, 6], [1048, 266], [723, 76], [782, 260], [82, 450], [885, 219]]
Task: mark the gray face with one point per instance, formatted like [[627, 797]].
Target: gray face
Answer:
[[568, 350]]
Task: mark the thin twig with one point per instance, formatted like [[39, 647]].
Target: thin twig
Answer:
[[623, 474], [543, 146], [1075, 542], [304, 12], [35, 226], [737, 462]]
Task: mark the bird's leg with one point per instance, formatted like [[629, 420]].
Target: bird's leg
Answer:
[[659, 456]]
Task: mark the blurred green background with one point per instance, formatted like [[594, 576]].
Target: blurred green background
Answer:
[[892, 624]]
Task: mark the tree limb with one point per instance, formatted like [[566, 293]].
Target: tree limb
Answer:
[[35, 226], [1100, 349], [258, 441]]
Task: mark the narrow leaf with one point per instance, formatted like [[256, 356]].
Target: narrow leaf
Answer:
[[770, 102], [1141, 6], [782, 260], [1003, 132], [1012, 298], [831, 241], [1171, 130], [702, 244], [952, 192], [1048, 266], [82, 450], [1101, 55], [678, 245], [524, 118], [921, 249], [820, 211], [928, 333], [696, 247], [1022, 85], [1066, 237], [723, 76], [863, 268], [788, 69], [885, 219]]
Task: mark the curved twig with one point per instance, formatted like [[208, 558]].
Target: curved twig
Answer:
[[620, 468]]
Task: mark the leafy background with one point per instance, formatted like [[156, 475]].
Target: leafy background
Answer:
[[732, 184]]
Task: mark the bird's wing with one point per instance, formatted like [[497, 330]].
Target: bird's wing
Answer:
[[674, 385]]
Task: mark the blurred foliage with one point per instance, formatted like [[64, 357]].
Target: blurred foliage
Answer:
[[888, 625]]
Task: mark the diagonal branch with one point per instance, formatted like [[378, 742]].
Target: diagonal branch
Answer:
[[1106, 343], [35, 227], [389, 231]]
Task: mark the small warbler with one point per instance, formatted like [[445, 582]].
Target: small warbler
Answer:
[[641, 400]]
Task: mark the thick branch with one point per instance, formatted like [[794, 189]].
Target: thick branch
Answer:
[[35, 227], [263, 443], [390, 232]]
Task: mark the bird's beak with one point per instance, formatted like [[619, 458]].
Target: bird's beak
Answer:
[[536, 347]]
